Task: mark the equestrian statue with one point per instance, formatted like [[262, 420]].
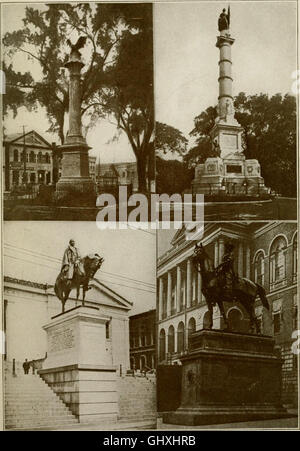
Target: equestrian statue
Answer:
[[75, 272], [221, 285]]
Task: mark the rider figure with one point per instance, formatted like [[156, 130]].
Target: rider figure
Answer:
[[226, 269], [71, 261]]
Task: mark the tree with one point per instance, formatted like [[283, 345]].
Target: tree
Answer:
[[128, 95], [111, 30], [172, 176], [169, 139], [269, 136]]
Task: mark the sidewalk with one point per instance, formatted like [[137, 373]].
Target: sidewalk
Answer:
[[280, 423]]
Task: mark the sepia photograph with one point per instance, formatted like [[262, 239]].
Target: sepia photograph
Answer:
[[225, 93], [150, 198], [78, 111], [227, 314], [79, 316]]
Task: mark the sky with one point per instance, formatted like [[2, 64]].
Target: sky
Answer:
[[186, 59], [33, 251]]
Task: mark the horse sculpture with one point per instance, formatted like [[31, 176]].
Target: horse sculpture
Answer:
[[244, 290], [63, 286]]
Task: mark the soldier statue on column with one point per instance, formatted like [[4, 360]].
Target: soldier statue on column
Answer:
[[224, 20]]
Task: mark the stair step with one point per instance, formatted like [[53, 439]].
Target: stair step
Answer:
[[30, 403]]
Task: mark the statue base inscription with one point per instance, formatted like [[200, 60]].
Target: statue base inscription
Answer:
[[229, 377], [76, 337], [79, 367]]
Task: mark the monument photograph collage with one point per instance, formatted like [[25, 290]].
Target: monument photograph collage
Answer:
[[150, 216]]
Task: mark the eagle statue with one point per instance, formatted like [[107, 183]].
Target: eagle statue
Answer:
[[79, 44]]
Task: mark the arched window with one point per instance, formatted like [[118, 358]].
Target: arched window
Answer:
[[39, 157], [162, 345], [259, 268], [278, 262], [16, 155], [191, 327], [47, 158], [171, 342], [295, 257], [180, 337], [24, 156], [32, 157]]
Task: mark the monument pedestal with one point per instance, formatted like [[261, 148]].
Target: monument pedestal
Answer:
[[75, 182], [229, 377], [78, 367], [231, 176]]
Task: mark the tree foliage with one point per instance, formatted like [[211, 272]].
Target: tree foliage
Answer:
[[172, 176], [169, 139]]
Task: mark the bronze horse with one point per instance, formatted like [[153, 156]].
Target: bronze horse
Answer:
[[64, 286], [244, 290]]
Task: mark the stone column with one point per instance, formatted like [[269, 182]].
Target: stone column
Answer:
[[178, 288], [248, 262], [74, 100], [216, 253], [199, 288], [169, 293], [75, 179], [240, 260], [194, 297], [221, 248], [160, 297], [175, 338], [188, 283], [224, 43]]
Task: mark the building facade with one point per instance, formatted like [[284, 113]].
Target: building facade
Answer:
[[28, 159], [111, 176], [28, 306], [92, 167], [265, 253], [142, 333]]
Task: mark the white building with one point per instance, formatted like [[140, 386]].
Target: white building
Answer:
[[27, 159], [28, 306]]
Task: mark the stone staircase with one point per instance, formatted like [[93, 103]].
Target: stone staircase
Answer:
[[31, 404], [137, 399]]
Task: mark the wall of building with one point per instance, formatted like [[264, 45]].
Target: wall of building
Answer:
[[29, 308], [143, 340]]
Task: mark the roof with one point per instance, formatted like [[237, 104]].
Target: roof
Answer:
[[13, 137], [27, 283], [142, 314], [97, 284]]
